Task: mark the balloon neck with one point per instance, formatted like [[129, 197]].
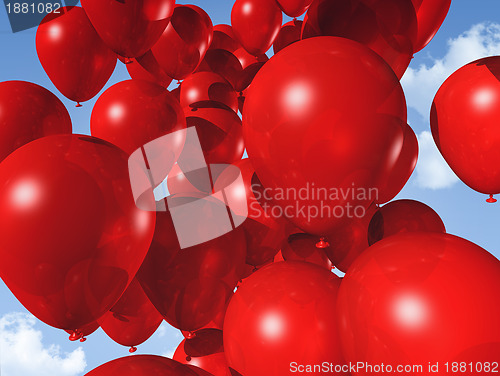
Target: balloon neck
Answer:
[[491, 199], [75, 336], [83, 339], [128, 61], [78, 104], [132, 350], [190, 335], [179, 82], [241, 94], [322, 244]]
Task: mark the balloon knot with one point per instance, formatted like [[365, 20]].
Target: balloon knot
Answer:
[[83, 339], [491, 200], [78, 104], [75, 335], [179, 82], [128, 61], [132, 350], [188, 358], [241, 94], [322, 244]]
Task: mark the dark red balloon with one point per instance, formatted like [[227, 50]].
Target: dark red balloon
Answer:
[[131, 27], [256, 23], [464, 124], [146, 68], [290, 32], [294, 8], [28, 112], [87, 238], [408, 300], [303, 247], [388, 27], [224, 38], [283, 313], [402, 216], [205, 350], [430, 16], [73, 55], [142, 365], [184, 42], [403, 169], [224, 63], [202, 87], [133, 319], [322, 127], [131, 113]]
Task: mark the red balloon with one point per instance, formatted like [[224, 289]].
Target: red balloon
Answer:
[[403, 169], [74, 57], [69, 192], [283, 313], [133, 319], [202, 87], [190, 286], [134, 112], [184, 42], [322, 127], [28, 112], [147, 68], [388, 27], [430, 16], [402, 216], [177, 182], [294, 8], [302, 247], [407, 301], [251, 66], [256, 23], [205, 350], [290, 32], [142, 365], [224, 39], [464, 124], [224, 63], [131, 27]]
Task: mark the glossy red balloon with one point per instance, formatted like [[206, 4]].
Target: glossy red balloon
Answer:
[[28, 112], [256, 23], [131, 113], [302, 247], [205, 350], [403, 216], [131, 27], [403, 169], [69, 192], [430, 16], [388, 27], [191, 286], [323, 120], [290, 32], [464, 120], [283, 313], [73, 55], [408, 301], [133, 319], [294, 8], [184, 42], [142, 365], [146, 68], [202, 87], [224, 63], [224, 38]]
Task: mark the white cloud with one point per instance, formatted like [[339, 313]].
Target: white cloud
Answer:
[[23, 353], [421, 84], [432, 171]]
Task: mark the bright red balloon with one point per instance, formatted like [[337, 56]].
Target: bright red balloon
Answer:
[[131, 113], [73, 55], [403, 169], [294, 8], [290, 32], [302, 247], [202, 87], [464, 124], [146, 68], [87, 238], [256, 23], [204, 350], [131, 27], [403, 216], [142, 365], [224, 39], [408, 301], [133, 319], [283, 313], [28, 112], [322, 127], [430, 16], [388, 27], [184, 42]]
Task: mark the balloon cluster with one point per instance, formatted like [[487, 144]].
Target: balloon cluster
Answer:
[[324, 122]]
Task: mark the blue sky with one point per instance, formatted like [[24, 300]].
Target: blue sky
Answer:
[[471, 31]]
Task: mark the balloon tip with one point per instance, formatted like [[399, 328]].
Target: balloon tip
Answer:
[[78, 104], [188, 358], [75, 336], [491, 200], [179, 82], [83, 339], [132, 350], [128, 61], [322, 244]]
